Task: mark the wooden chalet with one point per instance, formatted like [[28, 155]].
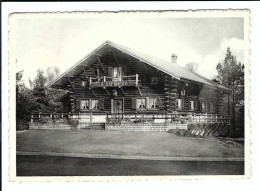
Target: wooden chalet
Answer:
[[116, 82]]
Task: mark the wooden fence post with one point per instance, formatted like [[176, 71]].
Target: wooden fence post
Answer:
[[31, 118], [90, 117]]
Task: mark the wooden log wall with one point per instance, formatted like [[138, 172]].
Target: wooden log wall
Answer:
[[167, 89]]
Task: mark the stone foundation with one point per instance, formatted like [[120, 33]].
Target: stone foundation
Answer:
[[56, 126], [145, 126], [65, 126]]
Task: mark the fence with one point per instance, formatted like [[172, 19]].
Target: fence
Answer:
[[140, 117], [84, 117], [163, 117]]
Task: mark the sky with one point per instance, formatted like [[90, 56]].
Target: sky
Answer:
[[47, 42]]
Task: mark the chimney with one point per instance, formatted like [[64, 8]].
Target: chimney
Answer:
[[174, 58]]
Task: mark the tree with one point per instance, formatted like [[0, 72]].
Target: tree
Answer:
[[25, 102], [231, 75], [39, 89]]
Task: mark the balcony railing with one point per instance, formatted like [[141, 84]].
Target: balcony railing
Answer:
[[114, 81]]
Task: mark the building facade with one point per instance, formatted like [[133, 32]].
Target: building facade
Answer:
[[116, 82]]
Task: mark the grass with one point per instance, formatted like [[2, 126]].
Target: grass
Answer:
[[124, 143]]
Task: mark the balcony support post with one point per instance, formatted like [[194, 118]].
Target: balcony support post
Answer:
[[139, 90], [93, 92], [122, 90], [107, 91]]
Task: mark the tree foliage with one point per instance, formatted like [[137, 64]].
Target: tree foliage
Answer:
[[231, 75], [37, 98]]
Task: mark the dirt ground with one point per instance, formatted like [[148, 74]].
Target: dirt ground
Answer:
[[125, 143]]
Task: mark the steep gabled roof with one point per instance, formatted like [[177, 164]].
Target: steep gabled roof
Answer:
[[167, 67]]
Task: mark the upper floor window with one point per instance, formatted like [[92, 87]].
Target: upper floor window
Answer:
[[117, 73], [154, 80], [84, 104], [153, 103], [83, 83], [191, 105], [179, 104]]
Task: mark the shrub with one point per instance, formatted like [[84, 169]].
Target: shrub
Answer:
[[45, 119]]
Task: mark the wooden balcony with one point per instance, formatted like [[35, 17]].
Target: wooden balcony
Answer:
[[114, 81]]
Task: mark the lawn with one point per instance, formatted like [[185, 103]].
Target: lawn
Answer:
[[123, 143]]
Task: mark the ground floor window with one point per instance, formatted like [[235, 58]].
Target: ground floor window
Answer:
[[94, 104], [153, 103], [84, 104], [179, 104], [191, 105], [141, 103], [91, 104]]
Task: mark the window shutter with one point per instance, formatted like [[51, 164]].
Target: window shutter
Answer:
[[124, 71], [101, 104], [78, 104], [133, 103], [147, 102], [119, 72], [160, 104], [195, 105], [110, 72]]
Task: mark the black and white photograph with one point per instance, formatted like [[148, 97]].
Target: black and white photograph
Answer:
[[129, 94]]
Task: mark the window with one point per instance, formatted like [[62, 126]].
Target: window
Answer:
[[141, 103], [117, 73], [83, 83], [84, 104], [211, 106], [94, 104], [179, 104], [154, 80], [202, 106], [153, 103], [191, 105], [183, 92]]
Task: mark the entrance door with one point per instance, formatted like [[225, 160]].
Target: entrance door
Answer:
[[117, 106]]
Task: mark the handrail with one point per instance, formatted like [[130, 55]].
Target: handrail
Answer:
[[106, 78]]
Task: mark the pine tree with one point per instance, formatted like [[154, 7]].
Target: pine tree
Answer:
[[231, 75]]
